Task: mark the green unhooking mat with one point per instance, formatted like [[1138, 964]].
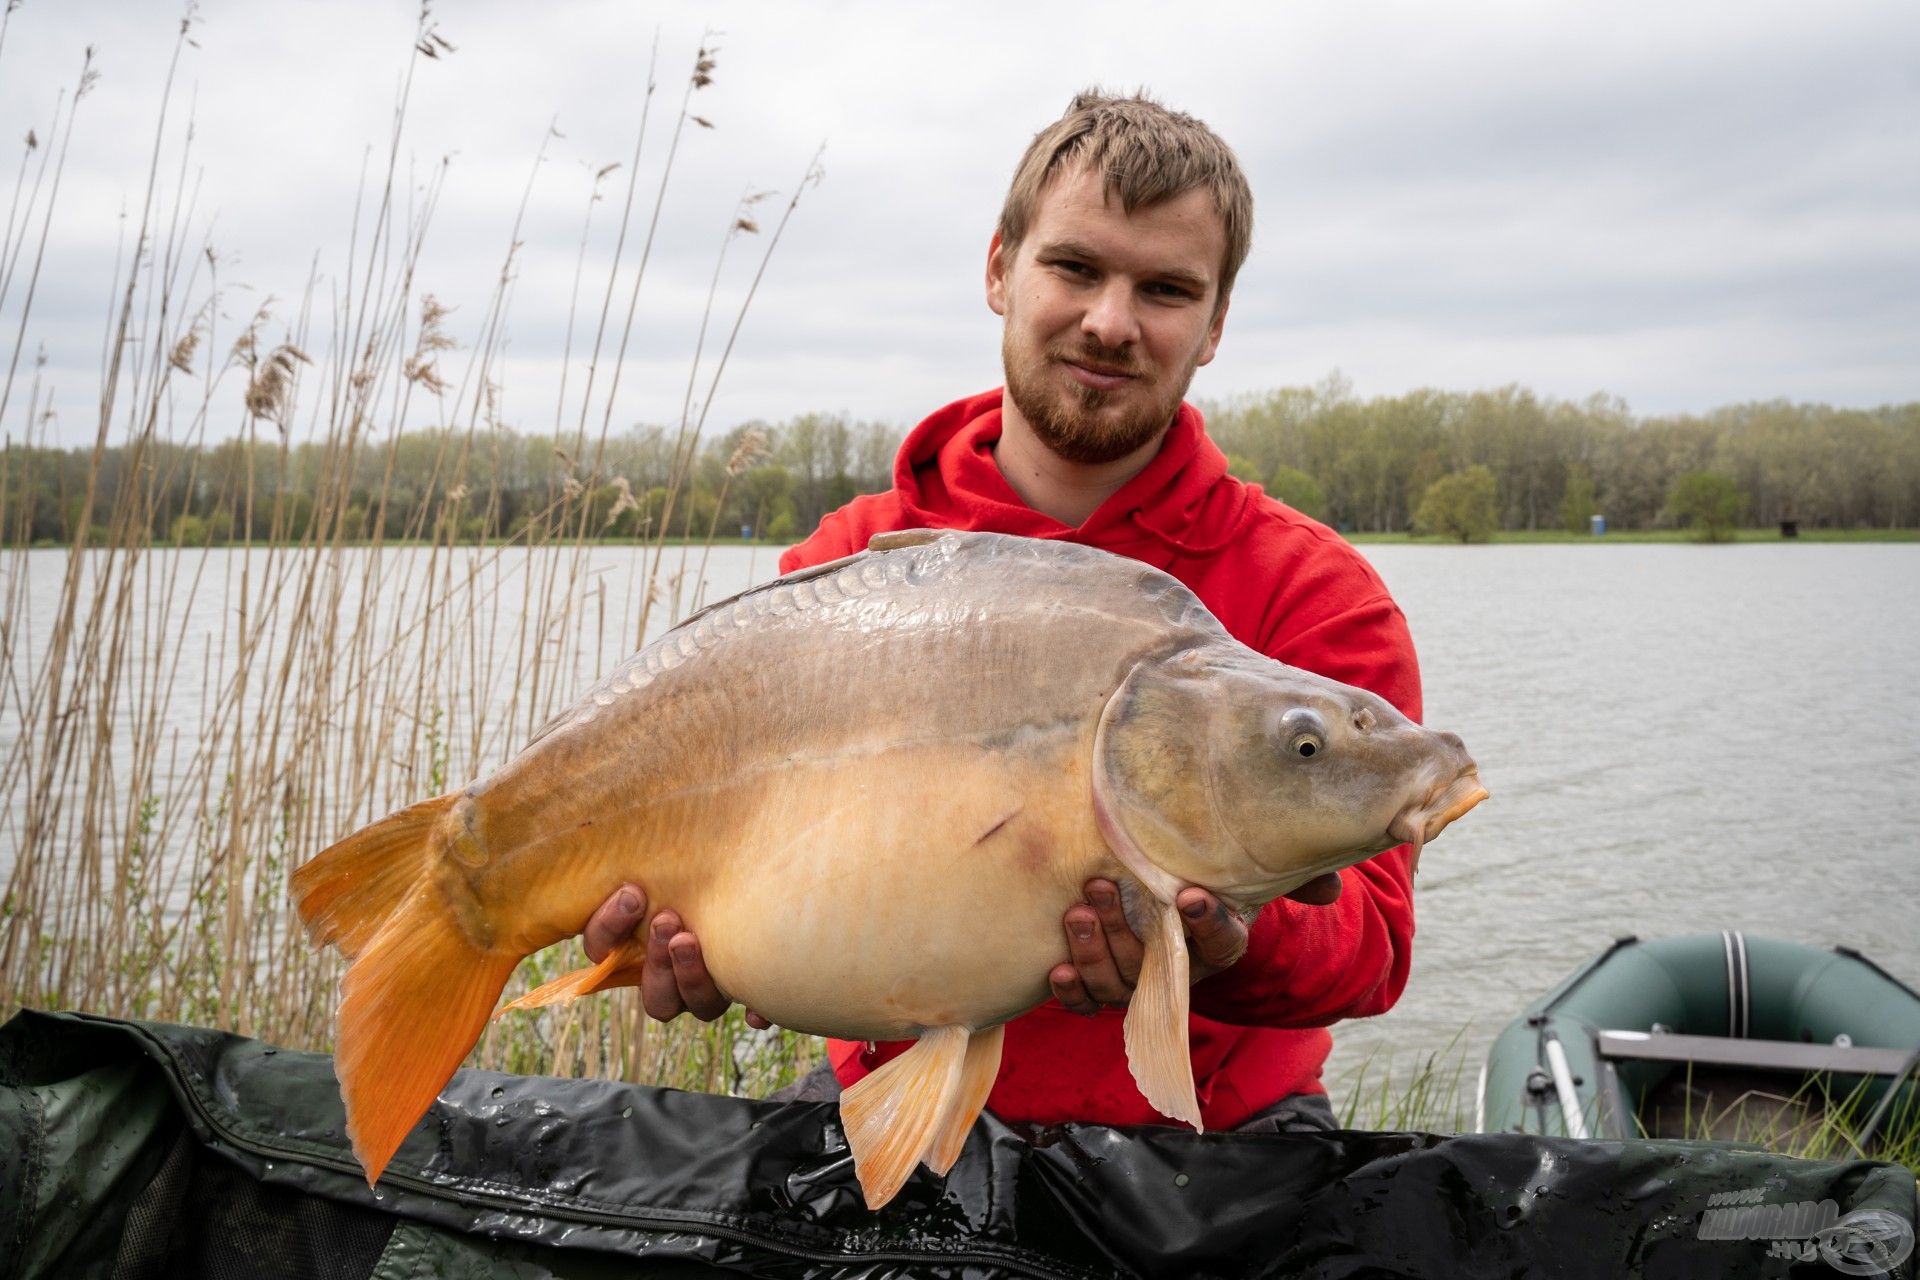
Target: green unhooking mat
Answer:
[[143, 1150]]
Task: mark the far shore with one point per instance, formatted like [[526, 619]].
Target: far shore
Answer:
[[1404, 539], [1647, 535]]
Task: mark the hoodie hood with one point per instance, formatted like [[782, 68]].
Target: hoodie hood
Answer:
[[945, 477]]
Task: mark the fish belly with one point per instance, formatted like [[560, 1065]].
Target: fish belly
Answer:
[[880, 894]]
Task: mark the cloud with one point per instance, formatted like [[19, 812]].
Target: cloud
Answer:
[[1684, 205]]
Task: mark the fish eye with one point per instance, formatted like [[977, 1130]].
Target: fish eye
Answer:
[[1303, 732]]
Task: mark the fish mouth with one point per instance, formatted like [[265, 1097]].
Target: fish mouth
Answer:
[[1420, 823]]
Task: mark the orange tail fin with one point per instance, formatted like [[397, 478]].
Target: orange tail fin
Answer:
[[416, 997], [350, 890]]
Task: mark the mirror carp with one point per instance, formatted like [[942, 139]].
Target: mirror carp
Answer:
[[872, 788]]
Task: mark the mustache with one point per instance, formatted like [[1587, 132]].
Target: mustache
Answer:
[[1114, 359]]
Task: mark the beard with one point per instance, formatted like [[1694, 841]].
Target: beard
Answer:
[[1077, 422]]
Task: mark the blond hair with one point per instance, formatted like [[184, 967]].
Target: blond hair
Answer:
[[1147, 154]]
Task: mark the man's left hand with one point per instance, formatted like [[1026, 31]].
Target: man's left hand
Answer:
[[1106, 952]]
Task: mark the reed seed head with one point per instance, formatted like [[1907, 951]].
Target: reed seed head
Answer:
[[623, 501], [272, 384], [750, 452], [182, 356], [419, 367]]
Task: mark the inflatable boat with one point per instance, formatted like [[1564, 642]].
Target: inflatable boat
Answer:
[[1707, 1035]]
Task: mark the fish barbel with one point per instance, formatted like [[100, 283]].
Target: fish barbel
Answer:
[[871, 789]]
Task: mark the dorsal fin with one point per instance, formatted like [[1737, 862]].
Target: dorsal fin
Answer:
[[798, 575], [891, 541], [897, 538]]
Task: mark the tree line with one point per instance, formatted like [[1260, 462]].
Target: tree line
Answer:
[[1366, 464], [1362, 465], [770, 481]]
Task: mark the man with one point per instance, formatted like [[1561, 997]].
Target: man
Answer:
[[1112, 268]]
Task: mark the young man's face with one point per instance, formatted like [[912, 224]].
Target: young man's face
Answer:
[[1107, 314]]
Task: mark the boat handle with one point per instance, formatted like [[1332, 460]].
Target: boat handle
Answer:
[[1563, 1085]]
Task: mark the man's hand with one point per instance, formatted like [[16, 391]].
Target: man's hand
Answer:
[[674, 978], [1106, 952]]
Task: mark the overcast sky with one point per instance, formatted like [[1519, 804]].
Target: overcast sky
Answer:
[[1682, 204]]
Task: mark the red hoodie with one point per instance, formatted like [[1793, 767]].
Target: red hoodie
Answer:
[[1279, 582]]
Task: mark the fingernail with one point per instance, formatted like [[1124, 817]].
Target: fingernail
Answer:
[[1082, 930], [662, 931], [1194, 910], [628, 901], [1102, 897], [682, 948]]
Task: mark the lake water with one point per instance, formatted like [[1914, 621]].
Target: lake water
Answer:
[[1677, 738]]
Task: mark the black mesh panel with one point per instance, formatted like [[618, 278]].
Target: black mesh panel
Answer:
[[201, 1217]]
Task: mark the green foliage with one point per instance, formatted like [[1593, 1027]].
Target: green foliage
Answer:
[[1577, 503], [612, 512], [1361, 465], [1707, 502], [1241, 467], [1460, 506], [438, 483], [1298, 490], [189, 531], [1373, 458]]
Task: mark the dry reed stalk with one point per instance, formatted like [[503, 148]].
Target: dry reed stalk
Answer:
[[185, 724]]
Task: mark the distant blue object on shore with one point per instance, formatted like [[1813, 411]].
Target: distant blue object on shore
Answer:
[[1597, 525]]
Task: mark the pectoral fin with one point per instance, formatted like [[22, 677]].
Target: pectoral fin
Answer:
[[977, 1072], [621, 968], [1156, 1026], [892, 1116]]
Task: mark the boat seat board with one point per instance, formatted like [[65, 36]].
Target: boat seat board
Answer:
[[1771, 1055]]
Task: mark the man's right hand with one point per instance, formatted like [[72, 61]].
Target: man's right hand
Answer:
[[674, 979]]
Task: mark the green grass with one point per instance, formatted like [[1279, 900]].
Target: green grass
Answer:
[[1433, 1093]]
